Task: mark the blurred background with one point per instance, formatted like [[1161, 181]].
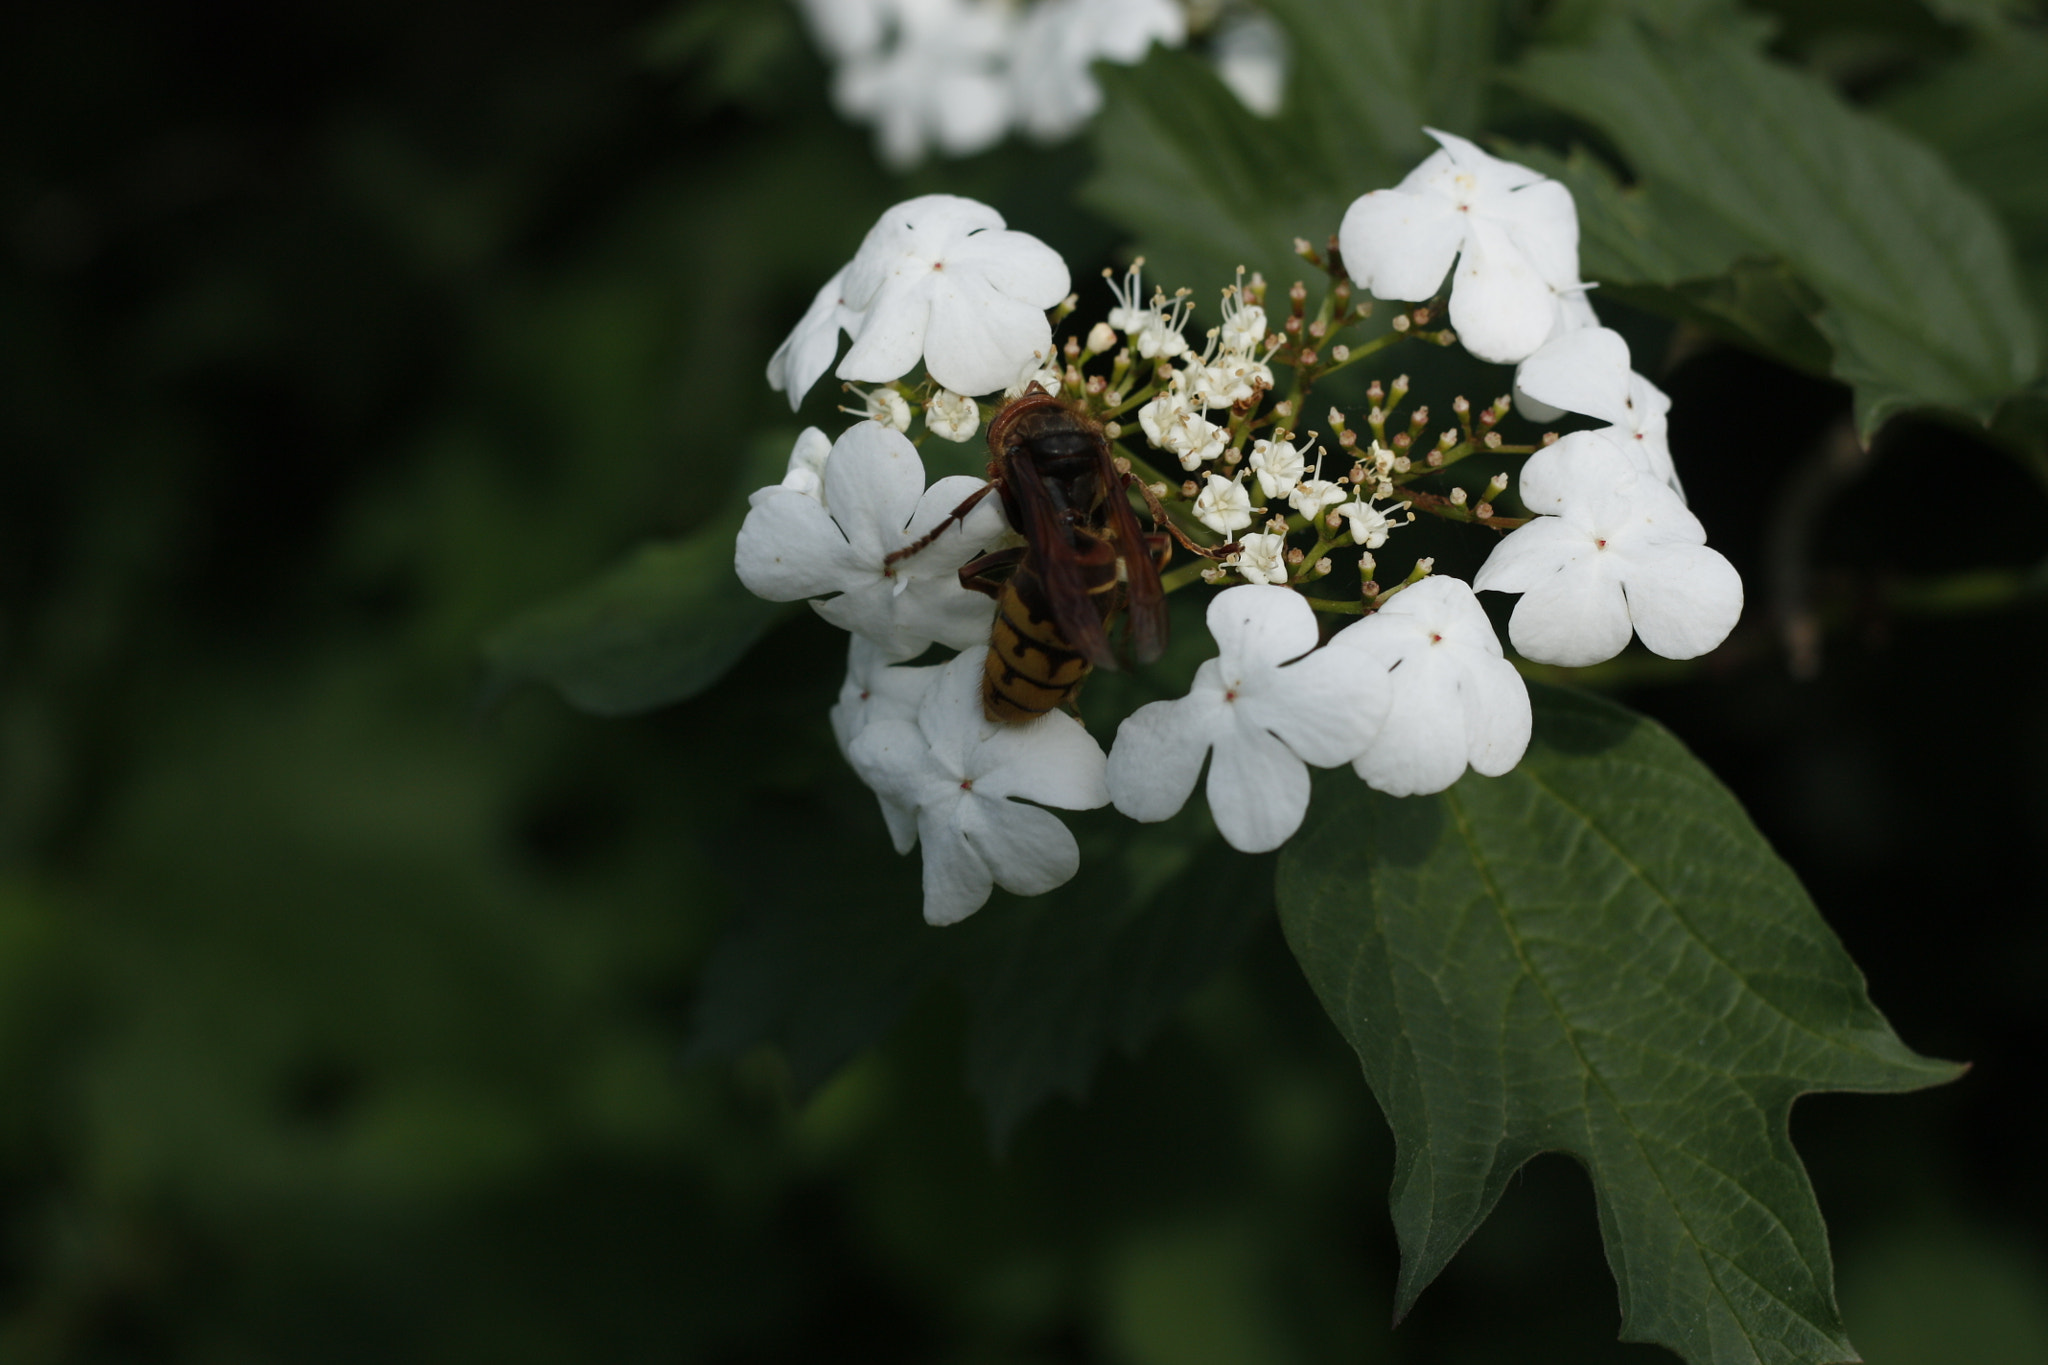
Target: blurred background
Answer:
[[342, 1018]]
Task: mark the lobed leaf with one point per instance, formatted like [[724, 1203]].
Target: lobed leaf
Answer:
[[654, 631], [657, 630], [1736, 157], [1597, 954]]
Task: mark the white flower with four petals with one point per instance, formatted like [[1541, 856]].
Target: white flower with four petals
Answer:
[[1611, 551], [967, 778], [1513, 231], [940, 279], [792, 547], [1453, 699], [1267, 706]]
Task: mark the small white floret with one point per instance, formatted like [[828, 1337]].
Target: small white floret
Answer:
[[1261, 558], [1279, 467], [952, 416], [1223, 505]]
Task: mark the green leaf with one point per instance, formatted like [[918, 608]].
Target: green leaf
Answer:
[[1054, 983], [1597, 954], [1203, 184], [1737, 157], [656, 630], [1370, 76]]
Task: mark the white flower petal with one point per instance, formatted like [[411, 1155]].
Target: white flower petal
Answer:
[[1577, 617], [1498, 719], [873, 480], [1501, 307], [1400, 245], [789, 548], [807, 351], [1579, 471], [979, 337], [1684, 600], [1258, 791], [1159, 751], [1052, 760], [957, 880], [1586, 372], [1543, 222], [891, 338], [1531, 553], [1423, 746], [1260, 624], [1324, 707], [1027, 850]]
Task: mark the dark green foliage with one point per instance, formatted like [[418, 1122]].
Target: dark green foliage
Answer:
[[338, 1023], [1597, 954]]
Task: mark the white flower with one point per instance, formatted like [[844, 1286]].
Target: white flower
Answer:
[[1130, 311], [883, 405], [1053, 89], [1514, 232], [1162, 416], [1454, 699], [1049, 380], [1311, 496], [1612, 551], [953, 416], [1235, 378], [806, 472], [875, 691], [940, 278], [1244, 323], [1586, 371], [1572, 312], [845, 29], [791, 547], [1250, 52], [1279, 467], [940, 83], [1223, 506], [960, 772], [1369, 525], [1264, 709], [1172, 422], [1158, 335], [1261, 558], [807, 351]]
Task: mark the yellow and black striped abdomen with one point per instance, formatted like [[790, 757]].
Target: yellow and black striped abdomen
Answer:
[[1031, 668]]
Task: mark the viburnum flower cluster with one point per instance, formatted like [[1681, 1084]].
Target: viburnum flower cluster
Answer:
[[951, 315], [959, 75]]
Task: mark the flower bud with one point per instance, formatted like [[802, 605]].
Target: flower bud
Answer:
[[1101, 337]]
